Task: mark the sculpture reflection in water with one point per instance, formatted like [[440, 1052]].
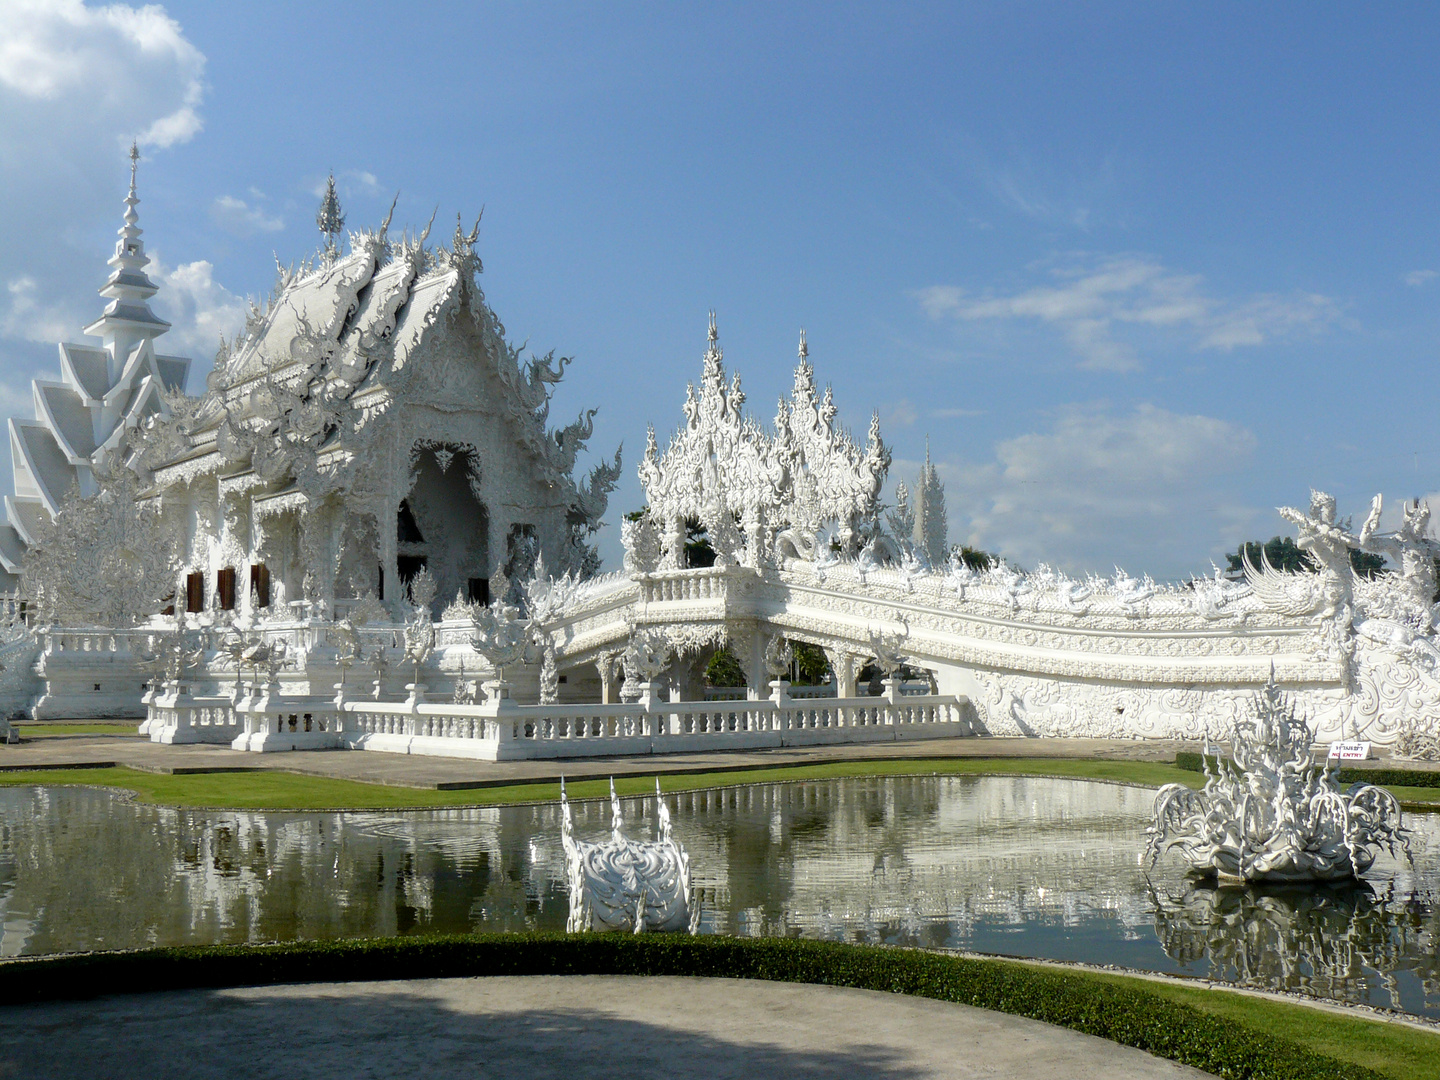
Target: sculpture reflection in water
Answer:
[[1273, 815], [1326, 941], [624, 884]]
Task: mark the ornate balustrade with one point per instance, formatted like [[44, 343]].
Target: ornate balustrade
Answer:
[[503, 731], [180, 718], [682, 586], [97, 640]]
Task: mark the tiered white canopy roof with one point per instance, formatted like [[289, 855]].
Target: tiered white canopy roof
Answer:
[[102, 391]]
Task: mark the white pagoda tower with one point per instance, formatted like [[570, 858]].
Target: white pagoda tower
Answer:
[[102, 392]]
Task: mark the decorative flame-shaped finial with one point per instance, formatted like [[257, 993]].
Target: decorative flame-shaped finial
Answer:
[[804, 349], [329, 218], [714, 334], [134, 161]]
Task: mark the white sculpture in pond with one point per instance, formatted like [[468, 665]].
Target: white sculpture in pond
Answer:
[[1274, 816], [623, 884]]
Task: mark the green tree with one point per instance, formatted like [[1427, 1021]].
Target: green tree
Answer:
[[724, 670], [811, 663], [1285, 555]]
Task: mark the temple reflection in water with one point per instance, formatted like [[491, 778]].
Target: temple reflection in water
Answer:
[[1022, 866]]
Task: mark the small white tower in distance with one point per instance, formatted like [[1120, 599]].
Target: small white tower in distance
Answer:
[[931, 528]]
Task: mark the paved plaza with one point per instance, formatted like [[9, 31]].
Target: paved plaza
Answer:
[[575, 1028]]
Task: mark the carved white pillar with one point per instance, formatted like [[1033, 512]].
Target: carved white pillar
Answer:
[[842, 664], [389, 553], [757, 676]]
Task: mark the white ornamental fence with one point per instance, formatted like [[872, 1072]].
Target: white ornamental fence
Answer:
[[264, 720]]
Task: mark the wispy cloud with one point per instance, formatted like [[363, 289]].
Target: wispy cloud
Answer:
[[239, 217], [956, 414], [27, 315], [1145, 488], [1096, 305], [898, 414], [1416, 278]]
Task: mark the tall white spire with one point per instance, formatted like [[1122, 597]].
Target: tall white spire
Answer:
[[101, 393], [127, 319]]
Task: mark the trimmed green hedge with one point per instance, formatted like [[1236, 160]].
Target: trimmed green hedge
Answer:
[[1124, 1015], [1189, 760]]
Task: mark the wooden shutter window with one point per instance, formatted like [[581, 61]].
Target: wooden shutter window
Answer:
[[195, 592], [225, 587]]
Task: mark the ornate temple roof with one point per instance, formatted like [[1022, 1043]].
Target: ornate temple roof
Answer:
[[102, 392]]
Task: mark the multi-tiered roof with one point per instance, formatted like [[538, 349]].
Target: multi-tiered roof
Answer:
[[102, 391]]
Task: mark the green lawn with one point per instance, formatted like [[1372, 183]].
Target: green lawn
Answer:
[[275, 790], [1392, 1049], [98, 727]]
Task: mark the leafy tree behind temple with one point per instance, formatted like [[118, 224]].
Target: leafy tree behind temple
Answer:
[[1282, 553]]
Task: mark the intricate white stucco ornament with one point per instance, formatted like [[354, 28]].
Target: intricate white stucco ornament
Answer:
[[105, 560], [419, 628], [778, 657], [501, 636], [1274, 816], [623, 884], [750, 489]]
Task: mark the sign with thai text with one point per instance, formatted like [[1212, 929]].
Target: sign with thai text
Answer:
[[1350, 751]]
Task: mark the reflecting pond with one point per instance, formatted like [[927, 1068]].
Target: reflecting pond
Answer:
[[1016, 865]]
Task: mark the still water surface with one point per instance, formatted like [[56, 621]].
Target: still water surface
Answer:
[[1024, 866]]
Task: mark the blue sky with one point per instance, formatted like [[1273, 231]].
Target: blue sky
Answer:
[[1141, 272]]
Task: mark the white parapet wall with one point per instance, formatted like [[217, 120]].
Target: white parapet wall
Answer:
[[501, 730]]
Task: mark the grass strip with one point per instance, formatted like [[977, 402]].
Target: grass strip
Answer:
[[277, 790], [1132, 1015], [1396, 1050], [100, 727]]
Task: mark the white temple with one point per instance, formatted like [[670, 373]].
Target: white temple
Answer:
[[363, 534]]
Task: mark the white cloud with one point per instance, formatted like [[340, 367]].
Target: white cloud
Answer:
[[1102, 308], [1416, 278], [898, 414], [27, 316], [129, 69], [239, 217], [1144, 489], [199, 310]]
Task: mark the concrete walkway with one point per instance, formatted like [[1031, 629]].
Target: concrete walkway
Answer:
[[407, 770], [569, 1028]]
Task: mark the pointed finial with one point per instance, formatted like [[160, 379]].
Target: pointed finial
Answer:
[[714, 334], [329, 218], [804, 349], [385, 225], [134, 161]]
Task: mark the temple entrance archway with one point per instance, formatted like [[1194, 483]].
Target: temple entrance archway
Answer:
[[443, 525]]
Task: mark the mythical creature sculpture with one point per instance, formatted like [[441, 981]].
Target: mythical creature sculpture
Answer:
[[623, 884], [501, 636], [1274, 816], [778, 657], [1412, 597], [419, 628], [889, 650], [1329, 545]]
